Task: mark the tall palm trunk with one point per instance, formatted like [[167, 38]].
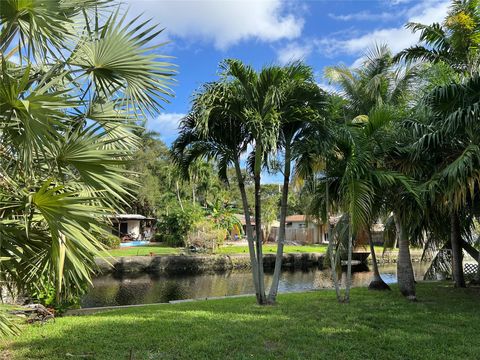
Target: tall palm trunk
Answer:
[[349, 261], [406, 278], [193, 194], [281, 231], [377, 283], [249, 228], [177, 190], [457, 255], [333, 258], [262, 299]]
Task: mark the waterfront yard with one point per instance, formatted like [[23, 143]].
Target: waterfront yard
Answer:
[[228, 249], [444, 323]]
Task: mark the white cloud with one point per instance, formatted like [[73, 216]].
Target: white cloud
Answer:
[[294, 51], [224, 23], [397, 38], [398, 2], [167, 125], [328, 87], [365, 16]]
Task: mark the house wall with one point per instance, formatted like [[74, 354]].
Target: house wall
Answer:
[[308, 233], [133, 227]]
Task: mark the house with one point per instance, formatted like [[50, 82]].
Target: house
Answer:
[[132, 226], [306, 231], [235, 233]]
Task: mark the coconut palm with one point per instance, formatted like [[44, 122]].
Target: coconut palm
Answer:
[[81, 79]]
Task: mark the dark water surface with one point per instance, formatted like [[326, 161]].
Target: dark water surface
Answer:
[[145, 289]]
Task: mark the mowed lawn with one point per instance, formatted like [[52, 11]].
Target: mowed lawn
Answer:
[[160, 249], [443, 324], [272, 249]]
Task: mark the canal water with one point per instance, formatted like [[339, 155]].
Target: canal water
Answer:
[[130, 289]]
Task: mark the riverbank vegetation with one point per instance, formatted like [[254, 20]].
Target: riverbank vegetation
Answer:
[[76, 81], [301, 326]]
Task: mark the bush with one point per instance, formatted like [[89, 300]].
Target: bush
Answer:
[[173, 228], [206, 235], [110, 241]]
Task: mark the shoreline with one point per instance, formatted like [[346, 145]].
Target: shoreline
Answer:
[[196, 264]]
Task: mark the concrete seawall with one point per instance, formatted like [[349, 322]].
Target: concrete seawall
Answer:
[[194, 264]]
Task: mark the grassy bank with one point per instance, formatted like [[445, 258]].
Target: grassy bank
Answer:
[[144, 250], [443, 324], [160, 249]]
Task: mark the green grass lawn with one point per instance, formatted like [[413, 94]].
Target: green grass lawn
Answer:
[[272, 249], [144, 250], [444, 324], [160, 249]]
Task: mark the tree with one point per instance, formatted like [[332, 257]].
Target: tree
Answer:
[[213, 130], [68, 107], [454, 43], [377, 93], [302, 104], [149, 162]]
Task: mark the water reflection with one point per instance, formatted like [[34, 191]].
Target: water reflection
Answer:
[[145, 289]]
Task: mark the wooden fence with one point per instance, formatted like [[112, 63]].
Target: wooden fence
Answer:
[[301, 236]]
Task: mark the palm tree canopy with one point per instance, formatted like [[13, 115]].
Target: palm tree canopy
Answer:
[[69, 107]]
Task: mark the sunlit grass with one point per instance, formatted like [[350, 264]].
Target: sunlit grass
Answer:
[[160, 249], [272, 249], [144, 250], [376, 325]]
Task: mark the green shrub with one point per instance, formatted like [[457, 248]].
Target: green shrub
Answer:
[[173, 228], [206, 235], [110, 241]]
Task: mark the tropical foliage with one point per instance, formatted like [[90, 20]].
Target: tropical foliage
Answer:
[[76, 81], [397, 142]]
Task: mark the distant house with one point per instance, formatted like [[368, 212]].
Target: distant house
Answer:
[[132, 226], [235, 234], [306, 231]]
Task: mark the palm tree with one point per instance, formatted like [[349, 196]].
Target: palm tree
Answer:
[[66, 120], [455, 42], [262, 94], [380, 89], [216, 109], [450, 133], [301, 106], [252, 104]]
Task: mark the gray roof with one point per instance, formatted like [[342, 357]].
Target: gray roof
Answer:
[[128, 217]]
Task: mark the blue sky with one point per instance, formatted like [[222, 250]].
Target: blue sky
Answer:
[[262, 32]]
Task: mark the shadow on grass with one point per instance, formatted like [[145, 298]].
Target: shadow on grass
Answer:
[[445, 323]]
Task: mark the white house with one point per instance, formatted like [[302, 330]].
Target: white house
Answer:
[[130, 224]]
